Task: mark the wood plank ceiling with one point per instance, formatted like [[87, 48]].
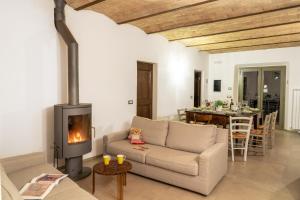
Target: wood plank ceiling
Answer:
[[214, 26]]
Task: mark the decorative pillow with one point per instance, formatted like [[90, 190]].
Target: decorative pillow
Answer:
[[135, 136], [134, 131], [154, 131]]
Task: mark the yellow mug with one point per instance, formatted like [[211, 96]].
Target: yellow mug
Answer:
[[106, 159], [120, 159]]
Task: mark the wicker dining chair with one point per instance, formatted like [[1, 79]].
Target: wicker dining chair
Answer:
[[239, 128], [259, 137], [271, 136]]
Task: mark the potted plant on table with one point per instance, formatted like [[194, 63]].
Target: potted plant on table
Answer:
[[219, 105]]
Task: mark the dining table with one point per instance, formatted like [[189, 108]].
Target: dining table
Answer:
[[222, 117]]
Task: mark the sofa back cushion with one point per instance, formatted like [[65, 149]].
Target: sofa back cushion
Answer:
[[153, 131], [190, 137], [8, 189]]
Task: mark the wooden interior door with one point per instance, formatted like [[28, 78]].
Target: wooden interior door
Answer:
[[144, 89], [197, 89]]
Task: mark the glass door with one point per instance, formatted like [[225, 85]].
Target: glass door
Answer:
[[249, 87], [263, 88], [273, 81]]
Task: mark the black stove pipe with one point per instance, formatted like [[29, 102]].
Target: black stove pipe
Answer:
[[61, 27]]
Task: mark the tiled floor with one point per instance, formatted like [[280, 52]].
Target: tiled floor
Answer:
[[275, 176]]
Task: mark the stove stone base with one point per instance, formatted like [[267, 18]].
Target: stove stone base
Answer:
[[75, 169]]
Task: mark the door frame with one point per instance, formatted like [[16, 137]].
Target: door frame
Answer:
[[261, 69]]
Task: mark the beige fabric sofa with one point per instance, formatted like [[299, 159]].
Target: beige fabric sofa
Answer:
[[186, 155], [16, 171]]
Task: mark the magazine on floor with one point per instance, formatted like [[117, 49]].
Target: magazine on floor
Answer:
[[40, 186]]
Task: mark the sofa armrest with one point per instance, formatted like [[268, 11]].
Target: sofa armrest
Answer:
[[222, 135], [12, 164], [112, 137], [213, 165]]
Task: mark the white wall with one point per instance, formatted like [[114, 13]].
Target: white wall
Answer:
[[33, 73], [108, 56], [222, 66], [30, 75]]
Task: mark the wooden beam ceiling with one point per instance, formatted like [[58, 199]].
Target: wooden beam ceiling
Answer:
[[78, 3], [251, 42], [141, 9], [232, 25], [214, 11], [285, 29], [87, 5], [167, 11], [257, 47], [209, 25]]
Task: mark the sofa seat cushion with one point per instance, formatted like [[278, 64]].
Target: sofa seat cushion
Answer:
[[153, 131], [174, 160], [190, 137], [61, 191]]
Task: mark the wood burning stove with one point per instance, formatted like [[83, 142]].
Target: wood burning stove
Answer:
[[72, 121], [72, 137]]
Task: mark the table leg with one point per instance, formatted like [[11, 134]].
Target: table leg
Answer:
[[125, 179], [93, 182], [120, 183]]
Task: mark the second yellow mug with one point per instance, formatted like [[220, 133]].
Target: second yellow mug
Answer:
[[120, 158]]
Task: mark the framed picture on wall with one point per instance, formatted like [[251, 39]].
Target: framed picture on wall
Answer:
[[217, 85]]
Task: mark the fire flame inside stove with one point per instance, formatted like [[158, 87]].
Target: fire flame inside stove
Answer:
[[76, 137]]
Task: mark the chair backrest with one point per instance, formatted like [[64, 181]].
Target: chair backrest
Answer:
[[240, 125], [273, 120], [267, 124], [202, 118], [181, 114]]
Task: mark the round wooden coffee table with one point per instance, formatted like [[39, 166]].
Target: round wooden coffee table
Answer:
[[113, 169]]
